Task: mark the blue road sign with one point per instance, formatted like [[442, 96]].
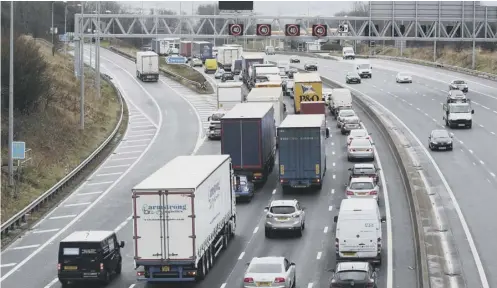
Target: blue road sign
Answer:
[[175, 60], [18, 150]]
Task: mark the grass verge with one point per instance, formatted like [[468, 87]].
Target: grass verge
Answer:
[[52, 133]]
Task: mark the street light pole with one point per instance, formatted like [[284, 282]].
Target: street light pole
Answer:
[[53, 32], [11, 96], [82, 71], [97, 51], [65, 28]]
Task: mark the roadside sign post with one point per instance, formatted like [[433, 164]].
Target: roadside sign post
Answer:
[[175, 60], [18, 150]]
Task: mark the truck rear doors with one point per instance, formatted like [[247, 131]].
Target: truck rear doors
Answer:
[[300, 153], [241, 140]]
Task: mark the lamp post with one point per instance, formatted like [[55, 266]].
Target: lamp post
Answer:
[[53, 32], [65, 28], [11, 96], [108, 12]]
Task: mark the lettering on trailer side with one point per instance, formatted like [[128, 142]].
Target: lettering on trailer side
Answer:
[[153, 212], [308, 93]]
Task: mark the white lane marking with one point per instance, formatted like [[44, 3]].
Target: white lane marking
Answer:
[[319, 255], [134, 141], [491, 132], [494, 111], [333, 164], [123, 159], [62, 217], [223, 285], [492, 174], [474, 164], [131, 146], [332, 191], [120, 226], [45, 231], [310, 285], [461, 142], [140, 130], [334, 176], [77, 204], [333, 152], [132, 285], [470, 151], [109, 174], [274, 191], [25, 247], [7, 265], [139, 135], [480, 125], [53, 283], [325, 230], [128, 152], [115, 166], [256, 229], [330, 208], [241, 256], [83, 213], [90, 193], [332, 143], [482, 163], [141, 126], [99, 183]]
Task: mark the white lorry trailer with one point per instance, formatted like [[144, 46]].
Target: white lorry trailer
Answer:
[[226, 55], [147, 66], [184, 214], [272, 95], [229, 94]]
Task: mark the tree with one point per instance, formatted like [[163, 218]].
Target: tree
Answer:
[[359, 8]]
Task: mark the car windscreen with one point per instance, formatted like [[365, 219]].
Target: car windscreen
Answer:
[[352, 276], [361, 186], [459, 109], [282, 209], [347, 113], [403, 75], [459, 82], [364, 66], [368, 171], [360, 143], [352, 121], [269, 268], [358, 133]]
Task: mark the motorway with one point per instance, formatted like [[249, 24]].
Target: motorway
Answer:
[[470, 170]]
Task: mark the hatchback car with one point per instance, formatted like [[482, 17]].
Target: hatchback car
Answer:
[[365, 170], [362, 187], [403, 77], [343, 114], [352, 77], [270, 272], [294, 59], [459, 85], [219, 73], [227, 76], [196, 62], [354, 274], [358, 133], [360, 149], [284, 215], [349, 124], [292, 72], [455, 96], [311, 66], [244, 189], [440, 140]]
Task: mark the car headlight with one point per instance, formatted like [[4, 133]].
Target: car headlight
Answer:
[[449, 142], [434, 142]]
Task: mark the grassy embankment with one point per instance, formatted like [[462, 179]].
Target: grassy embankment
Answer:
[[52, 134]]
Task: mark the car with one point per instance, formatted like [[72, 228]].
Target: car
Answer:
[[284, 215], [327, 95], [354, 274], [360, 149], [403, 77], [244, 189], [365, 170], [349, 124], [337, 110], [455, 96], [270, 271], [459, 85], [311, 66], [292, 72], [219, 73], [345, 113], [440, 140], [362, 187], [294, 59], [358, 133], [89, 256], [227, 76], [196, 62], [240, 77], [352, 77]]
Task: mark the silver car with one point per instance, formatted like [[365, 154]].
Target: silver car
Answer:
[[403, 78], [362, 187], [357, 134], [361, 148], [284, 215], [270, 272], [344, 114], [349, 124]]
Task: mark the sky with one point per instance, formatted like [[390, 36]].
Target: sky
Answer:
[[287, 8]]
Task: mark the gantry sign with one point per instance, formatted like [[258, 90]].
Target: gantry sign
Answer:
[[409, 20]]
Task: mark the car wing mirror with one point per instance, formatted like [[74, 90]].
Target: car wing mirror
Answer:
[[335, 219], [378, 169], [472, 111], [350, 169], [327, 132], [345, 185], [292, 264], [266, 208], [208, 119], [451, 135], [248, 263], [121, 244], [331, 270]]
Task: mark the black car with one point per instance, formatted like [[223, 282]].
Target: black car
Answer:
[[89, 256], [365, 170], [440, 140], [294, 59], [311, 66], [227, 76], [292, 72], [351, 123], [354, 275], [352, 77]]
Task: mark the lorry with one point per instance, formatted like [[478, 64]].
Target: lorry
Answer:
[[348, 53], [302, 151], [273, 95], [248, 136], [307, 87], [147, 66], [260, 71], [214, 129], [202, 50], [340, 98], [272, 81], [248, 59], [183, 215], [229, 94], [236, 66], [285, 64], [313, 107], [239, 47], [270, 50], [226, 55], [458, 114], [185, 49], [165, 46]]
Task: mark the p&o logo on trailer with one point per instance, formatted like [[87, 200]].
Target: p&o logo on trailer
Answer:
[[309, 94]]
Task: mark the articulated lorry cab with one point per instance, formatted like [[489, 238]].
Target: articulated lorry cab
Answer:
[[307, 87], [302, 151], [248, 136], [184, 215], [249, 59]]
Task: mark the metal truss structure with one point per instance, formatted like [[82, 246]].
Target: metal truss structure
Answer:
[[477, 27]]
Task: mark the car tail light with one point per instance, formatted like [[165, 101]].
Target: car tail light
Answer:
[[378, 244], [140, 273], [373, 192], [370, 284], [350, 192], [269, 215], [248, 280], [101, 266], [368, 150], [58, 266], [337, 243], [279, 280]]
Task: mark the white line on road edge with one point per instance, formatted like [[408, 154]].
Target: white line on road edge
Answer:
[[330, 208], [62, 217], [223, 285], [325, 230], [256, 229], [98, 183], [241, 256], [25, 247], [136, 136], [109, 174], [129, 152], [90, 193], [115, 166], [123, 159], [274, 191], [309, 285], [77, 204], [53, 282], [132, 285], [131, 146], [45, 231], [7, 265], [83, 213], [319, 255]]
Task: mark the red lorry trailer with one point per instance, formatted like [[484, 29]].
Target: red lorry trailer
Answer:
[[185, 48], [313, 107]]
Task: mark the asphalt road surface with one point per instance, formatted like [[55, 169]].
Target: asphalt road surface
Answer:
[[470, 169]]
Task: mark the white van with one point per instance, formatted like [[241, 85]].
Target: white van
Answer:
[[348, 53], [364, 69], [269, 50], [358, 231], [340, 98]]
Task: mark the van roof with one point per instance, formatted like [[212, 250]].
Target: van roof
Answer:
[[356, 204], [147, 53], [264, 92], [307, 77], [87, 236], [183, 172], [230, 84], [302, 121], [252, 55], [248, 110]]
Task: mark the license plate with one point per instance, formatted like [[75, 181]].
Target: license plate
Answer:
[[71, 268], [442, 148], [461, 125], [165, 269], [348, 253], [264, 284], [282, 218], [362, 193]]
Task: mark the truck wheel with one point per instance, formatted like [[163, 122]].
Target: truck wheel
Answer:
[[226, 238], [446, 122], [64, 283], [469, 125], [119, 268], [201, 271]]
